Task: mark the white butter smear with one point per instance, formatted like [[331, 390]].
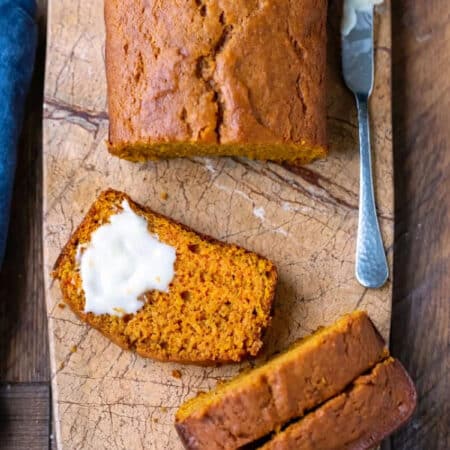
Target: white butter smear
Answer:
[[122, 261], [349, 12]]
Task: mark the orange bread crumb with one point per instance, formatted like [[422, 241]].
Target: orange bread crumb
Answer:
[[176, 374], [218, 304]]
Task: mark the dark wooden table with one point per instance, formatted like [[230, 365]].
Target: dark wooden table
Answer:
[[421, 313]]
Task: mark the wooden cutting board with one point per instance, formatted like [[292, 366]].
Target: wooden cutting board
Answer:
[[305, 221]]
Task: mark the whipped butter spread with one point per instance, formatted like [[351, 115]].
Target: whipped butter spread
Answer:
[[349, 12], [122, 261]]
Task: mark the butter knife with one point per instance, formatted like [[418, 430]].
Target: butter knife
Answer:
[[357, 65]]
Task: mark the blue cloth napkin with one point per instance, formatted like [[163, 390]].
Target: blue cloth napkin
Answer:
[[18, 39]]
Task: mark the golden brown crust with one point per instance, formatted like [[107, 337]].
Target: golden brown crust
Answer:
[[257, 403], [243, 78], [358, 419], [218, 288]]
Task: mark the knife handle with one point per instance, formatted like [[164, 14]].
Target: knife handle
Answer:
[[371, 265]]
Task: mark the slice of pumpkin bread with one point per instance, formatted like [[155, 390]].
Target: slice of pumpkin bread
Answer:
[[372, 408], [258, 402], [216, 308]]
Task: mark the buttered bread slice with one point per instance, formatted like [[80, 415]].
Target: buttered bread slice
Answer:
[[156, 287]]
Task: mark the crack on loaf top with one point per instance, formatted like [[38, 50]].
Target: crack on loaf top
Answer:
[[205, 68]]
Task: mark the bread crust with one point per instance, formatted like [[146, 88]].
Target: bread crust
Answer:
[[217, 78]]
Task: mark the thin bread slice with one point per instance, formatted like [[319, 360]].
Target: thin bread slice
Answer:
[[262, 400], [358, 419], [217, 307]]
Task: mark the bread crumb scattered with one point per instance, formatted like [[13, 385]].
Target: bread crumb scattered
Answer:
[[164, 195], [163, 409], [61, 366], [61, 305], [155, 419], [73, 349], [176, 373]]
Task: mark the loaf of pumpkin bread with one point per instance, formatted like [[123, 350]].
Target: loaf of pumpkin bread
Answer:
[[373, 407], [258, 402], [215, 309], [208, 77]]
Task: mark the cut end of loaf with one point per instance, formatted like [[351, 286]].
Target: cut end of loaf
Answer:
[[218, 305], [294, 154]]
